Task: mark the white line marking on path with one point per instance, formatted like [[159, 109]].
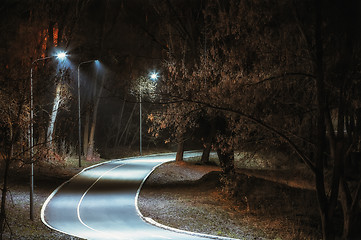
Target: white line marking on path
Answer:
[[85, 193]]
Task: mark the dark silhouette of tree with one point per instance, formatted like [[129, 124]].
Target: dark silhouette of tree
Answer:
[[279, 72], [26, 35]]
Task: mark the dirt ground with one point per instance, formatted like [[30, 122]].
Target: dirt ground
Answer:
[[20, 227], [47, 177], [186, 196], [189, 197]]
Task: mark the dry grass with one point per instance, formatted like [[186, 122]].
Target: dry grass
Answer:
[[21, 227], [264, 210], [48, 176], [177, 195]]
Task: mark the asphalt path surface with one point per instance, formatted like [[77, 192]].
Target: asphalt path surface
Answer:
[[100, 202]]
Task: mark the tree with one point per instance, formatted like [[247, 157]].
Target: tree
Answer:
[[281, 76], [336, 70], [126, 53], [14, 80], [23, 40], [13, 135], [90, 148]]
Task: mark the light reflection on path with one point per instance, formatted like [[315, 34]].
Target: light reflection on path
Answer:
[[100, 202]]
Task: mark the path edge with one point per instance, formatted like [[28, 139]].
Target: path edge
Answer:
[[157, 224]]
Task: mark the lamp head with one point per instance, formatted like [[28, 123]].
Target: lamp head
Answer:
[[153, 76], [61, 55]]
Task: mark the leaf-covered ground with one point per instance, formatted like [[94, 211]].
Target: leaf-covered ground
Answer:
[[189, 197], [185, 196], [18, 216]]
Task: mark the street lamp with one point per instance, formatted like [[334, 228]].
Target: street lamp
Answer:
[[79, 115], [153, 76], [61, 56]]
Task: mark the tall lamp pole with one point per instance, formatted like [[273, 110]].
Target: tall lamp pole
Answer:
[[60, 56], [79, 114], [140, 122]]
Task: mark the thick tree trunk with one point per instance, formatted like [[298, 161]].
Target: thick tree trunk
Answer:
[[206, 152], [226, 159], [345, 200], [180, 147], [229, 181], [327, 226], [350, 209], [3, 198], [180, 151], [208, 142], [323, 204]]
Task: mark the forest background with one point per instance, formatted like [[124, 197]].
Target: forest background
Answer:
[[234, 76]]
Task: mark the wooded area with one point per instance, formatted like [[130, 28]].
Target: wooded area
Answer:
[[233, 75]]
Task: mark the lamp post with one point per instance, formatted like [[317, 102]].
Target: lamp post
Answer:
[[60, 56], [140, 122], [153, 76], [79, 115]]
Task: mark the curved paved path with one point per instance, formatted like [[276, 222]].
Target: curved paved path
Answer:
[[100, 202]]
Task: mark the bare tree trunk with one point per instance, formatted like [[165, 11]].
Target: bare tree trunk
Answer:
[[53, 116], [345, 200], [117, 139], [126, 128], [3, 197], [136, 134], [86, 132], [90, 151], [323, 203], [8, 157], [350, 209]]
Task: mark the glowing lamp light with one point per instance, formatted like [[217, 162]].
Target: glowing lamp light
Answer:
[[154, 76], [61, 55]]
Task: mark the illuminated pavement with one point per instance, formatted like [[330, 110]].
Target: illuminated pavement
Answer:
[[100, 202]]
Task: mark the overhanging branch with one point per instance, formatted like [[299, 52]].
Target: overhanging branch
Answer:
[[259, 122]]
